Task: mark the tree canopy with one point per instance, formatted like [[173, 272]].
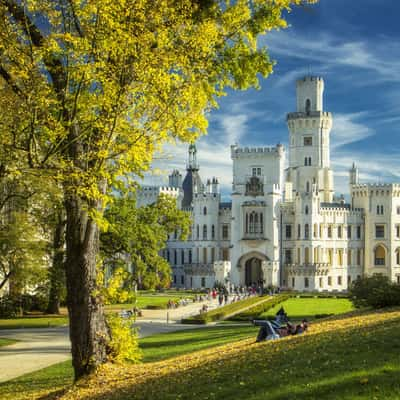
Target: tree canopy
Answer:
[[90, 89]]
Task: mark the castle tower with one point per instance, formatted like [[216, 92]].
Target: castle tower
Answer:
[[309, 128]]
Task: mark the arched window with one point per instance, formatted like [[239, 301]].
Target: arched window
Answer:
[[212, 232], [305, 161], [306, 231], [315, 230], [379, 255], [308, 106], [190, 256], [309, 161], [261, 223], [298, 231], [205, 210], [183, 257], [198, 231], [251, 221], [308, 187], [247, 223], [175, 257], [306, 210]]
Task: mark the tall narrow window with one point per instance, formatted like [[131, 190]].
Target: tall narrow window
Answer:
[[205, 255], [204, 232], [379, 255], [205, 210], [339, 232], [349, 231], [212, 232], [261, 223], [308, 187], [298, 231], [308, 106], [190, 256], [306, 255], [306, 210], [183, 257], [198, 232], [306, 231]]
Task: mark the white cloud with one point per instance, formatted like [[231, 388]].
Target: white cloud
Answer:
[[346, 129]]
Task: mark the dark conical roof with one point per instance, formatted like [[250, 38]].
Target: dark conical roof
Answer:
[[192, 179]]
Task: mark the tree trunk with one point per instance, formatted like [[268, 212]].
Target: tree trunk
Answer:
[[89, 333], [57, 270]]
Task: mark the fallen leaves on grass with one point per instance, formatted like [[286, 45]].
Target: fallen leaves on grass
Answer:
[[145, 381]]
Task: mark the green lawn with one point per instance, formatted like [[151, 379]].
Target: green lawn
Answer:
[[6, 342], [356, 357], [33, 322], [299, 308], [154, 348]]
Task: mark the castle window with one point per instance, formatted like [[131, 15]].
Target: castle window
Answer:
[[329, 231], [168, 258], [288, 232], [339, 280], [339, 232], [212, 254], [306, 231], [258, 171], [306, 210], [203, 282], [329, 281], [204, 255], [293, 282], [225, 234], [204, 232], [358, 232], [175, 279], [308, 187], [212, 232], [379, 231], [379, 210], [398, 256], [205, 210], [190, 256], [182, 280], [225, 254], [315, 230], [321, 283], [183, 257], [298, 256], [340, 257], [288, 256], [308, 141], [398, 210], [309, 161], [358, 257], [379, 255], [397, 231], [306, 255], [175, 257], [308, 106], [348, 257], [305, 161], [306, 283], [349, 231], [298, 231]]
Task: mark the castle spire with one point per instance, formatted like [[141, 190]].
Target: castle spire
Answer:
[[192, 161]]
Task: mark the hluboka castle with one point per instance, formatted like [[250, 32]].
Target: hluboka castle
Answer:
[[284, 227]]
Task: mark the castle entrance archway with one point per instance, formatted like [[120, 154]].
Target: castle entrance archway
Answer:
[[250, 265], [253, 272]]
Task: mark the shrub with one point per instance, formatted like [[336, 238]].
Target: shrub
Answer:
[[124, 342], [254, 312], [224, 311], [375, 291], [9, 307]]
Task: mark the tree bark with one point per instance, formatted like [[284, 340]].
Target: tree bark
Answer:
[[89, 332], [57, 270]]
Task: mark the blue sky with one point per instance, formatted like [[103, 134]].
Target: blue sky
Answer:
[[355, 46]]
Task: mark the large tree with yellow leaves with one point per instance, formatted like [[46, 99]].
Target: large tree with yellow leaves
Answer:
[[90, 89]]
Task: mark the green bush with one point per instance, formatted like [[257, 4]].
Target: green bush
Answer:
[[9, 307], [124, 341], [254, 312], [224, 311], [375, 291]]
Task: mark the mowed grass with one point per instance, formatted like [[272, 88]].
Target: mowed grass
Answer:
[[353, 357], [6, 342], [299, 308], [154, 348], [33, 322]]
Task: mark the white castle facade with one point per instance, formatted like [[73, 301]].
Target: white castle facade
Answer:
[[284, 226]]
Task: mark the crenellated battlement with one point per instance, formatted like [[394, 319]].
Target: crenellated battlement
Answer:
[[244, 151]]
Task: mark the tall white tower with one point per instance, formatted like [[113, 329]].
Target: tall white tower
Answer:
[[309, 127]]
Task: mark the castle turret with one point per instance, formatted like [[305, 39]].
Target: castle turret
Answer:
[[215, 185], [175, 179], [192, 182], [309, 127], [353, 174]]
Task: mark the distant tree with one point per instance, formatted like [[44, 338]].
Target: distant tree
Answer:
[[136, 236], [90, 89]]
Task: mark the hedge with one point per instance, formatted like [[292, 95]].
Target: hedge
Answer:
[[254, 312], [224, 311]]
